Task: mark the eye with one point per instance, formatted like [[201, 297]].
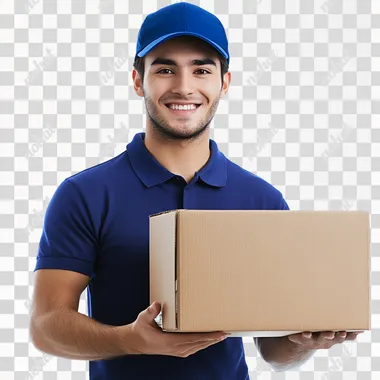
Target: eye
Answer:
[[205, 71], [162, 71]]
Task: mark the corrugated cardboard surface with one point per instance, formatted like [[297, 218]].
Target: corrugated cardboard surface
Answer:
[[262, 270]]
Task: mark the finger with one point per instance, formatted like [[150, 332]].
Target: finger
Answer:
[[341, 334], [301, 338], [305, 337], [352, 335], [150, 313], [174, 345], [192, 349], [340, 337], [324, 337], [195, 338], [200, 341]]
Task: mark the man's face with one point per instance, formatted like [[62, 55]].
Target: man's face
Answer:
[[182, 87]]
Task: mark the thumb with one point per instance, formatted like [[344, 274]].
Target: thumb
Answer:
[[154, 309]]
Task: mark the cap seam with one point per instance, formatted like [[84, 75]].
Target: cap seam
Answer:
[[184, 17]]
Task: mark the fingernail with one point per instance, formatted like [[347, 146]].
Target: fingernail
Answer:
[[306, 335]]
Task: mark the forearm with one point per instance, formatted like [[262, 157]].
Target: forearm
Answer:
[[283, 354], [72, 335]]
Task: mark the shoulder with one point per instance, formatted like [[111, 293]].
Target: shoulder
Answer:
[[99, 176], [86, 191]]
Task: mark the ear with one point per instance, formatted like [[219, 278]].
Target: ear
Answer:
[[226, 83], [137, 83]]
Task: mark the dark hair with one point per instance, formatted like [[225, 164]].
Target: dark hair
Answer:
[[139, 66]]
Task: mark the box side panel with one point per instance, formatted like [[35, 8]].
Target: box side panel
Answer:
[[274, 271], [162, 265]]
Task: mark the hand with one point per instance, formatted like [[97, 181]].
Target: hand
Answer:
[[323, 339], [147, 338]]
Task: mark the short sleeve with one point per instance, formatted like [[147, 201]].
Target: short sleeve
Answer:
[[68, 238]]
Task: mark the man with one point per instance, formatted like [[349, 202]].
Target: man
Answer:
[[96, 231]]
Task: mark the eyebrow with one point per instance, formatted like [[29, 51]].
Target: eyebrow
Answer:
[[195, 62]]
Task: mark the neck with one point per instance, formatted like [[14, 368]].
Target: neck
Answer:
[[181, 157]]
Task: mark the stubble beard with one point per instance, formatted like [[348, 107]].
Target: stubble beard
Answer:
[[163, 129]]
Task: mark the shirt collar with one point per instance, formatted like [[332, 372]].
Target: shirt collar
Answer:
[[152, 173]]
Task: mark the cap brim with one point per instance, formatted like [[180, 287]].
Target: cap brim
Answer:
[[162, 39]]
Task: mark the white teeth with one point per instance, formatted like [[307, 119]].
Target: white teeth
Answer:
[[183, 107]]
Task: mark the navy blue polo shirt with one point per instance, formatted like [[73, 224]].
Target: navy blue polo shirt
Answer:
[[97, 224]]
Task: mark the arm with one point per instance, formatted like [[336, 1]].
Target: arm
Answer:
[[66, 259], [56, 326], [281, 353]]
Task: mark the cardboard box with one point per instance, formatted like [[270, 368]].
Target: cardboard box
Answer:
[[261, 273]]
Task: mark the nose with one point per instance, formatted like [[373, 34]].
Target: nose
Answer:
[[183, 83]]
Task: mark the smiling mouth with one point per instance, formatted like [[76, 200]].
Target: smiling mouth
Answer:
[[183, 109]]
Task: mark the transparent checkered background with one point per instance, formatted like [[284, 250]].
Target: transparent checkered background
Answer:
[[302, 112]]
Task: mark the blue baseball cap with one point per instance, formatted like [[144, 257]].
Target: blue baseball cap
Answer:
[[181, 19]]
